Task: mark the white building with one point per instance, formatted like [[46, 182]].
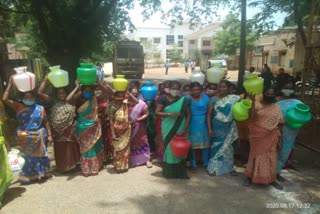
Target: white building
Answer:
[[184, 38]]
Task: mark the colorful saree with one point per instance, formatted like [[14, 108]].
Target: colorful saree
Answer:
[[32, 137], [139, 147], [122, 130], [173, 167], [224, 134], [5, 170], [264, 137], [288, 136], [66, 146], [198, 130], [88, 129]]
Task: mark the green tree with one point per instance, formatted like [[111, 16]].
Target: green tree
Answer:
[[151, 52], [175, 54], [228, 40], [67, 31]]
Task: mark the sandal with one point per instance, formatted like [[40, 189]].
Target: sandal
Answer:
[[280, 178], [149, 164], [211, 173], [233, 173], [277, 186], [247, 182]]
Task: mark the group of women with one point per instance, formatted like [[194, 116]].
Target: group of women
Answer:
[[205, 117], [88, 126], [93, 124]]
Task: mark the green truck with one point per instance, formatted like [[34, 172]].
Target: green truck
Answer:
[[128, 59]]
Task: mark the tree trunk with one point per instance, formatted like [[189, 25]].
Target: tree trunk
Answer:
[[242, 60]]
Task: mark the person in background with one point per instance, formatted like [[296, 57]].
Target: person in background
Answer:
[[186, 90], [62, 121], [34, 135], [198, 130], [88, 129], [167, 65], [186, 65], [139, 146], [282, 79], [233, 89], [161, 90], [167, 86], [175, 113], [264, 137], [223, 130], [251, 70], [267, 76], [211, 90], [286, 101]]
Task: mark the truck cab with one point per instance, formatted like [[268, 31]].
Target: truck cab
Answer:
[[128, 59]]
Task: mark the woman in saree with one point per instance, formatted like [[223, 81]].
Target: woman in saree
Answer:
[[223, 130], [88, 129], [33, 134], [264, 137], [139, 146], [198, 129], [175, 113], [120, 126], [5, 170], [62, 121], [288, 135]]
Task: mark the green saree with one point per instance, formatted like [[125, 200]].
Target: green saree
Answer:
[[5, 170], [173, 167]]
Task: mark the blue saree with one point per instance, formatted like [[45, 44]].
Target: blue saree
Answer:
[[32, 139], [224, 134], [288, 134]]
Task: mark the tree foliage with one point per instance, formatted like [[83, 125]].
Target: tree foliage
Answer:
[[151, 52], [175, 54], [65, 31], [228, 40]]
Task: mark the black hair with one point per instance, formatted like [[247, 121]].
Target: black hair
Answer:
[[227, 82], [136, 83], [185, 86], [133, 87], [251, 69], [195, 84], [83, 87], [55, 90], [30, 92], [167, 82], [160, 84], [174, 82]]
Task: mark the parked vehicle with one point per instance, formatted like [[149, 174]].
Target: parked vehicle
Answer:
[[128, 59]]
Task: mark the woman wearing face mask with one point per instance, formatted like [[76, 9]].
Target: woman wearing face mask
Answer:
[[198, 130], [264, 137], [186, 90], [285, 102], [33, 134], [223, 130], [159, 146], [120, 130], [175, 114], [139, 146], [88, 129], [62, 115], [212, 90]]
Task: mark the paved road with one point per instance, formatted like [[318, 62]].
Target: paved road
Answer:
[[143, 190]]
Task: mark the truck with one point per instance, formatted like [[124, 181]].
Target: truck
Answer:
[[128, 59]]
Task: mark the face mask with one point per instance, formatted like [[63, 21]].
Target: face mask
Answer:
[[211, 92], [29, 102], [87, 95], [268, 99], [174, 93], [167, 90], [287, 92], [186, 93]]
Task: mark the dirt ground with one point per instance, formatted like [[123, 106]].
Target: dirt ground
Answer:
[[143, 190]]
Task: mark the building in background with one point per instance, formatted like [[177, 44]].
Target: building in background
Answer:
[[186, 40]]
